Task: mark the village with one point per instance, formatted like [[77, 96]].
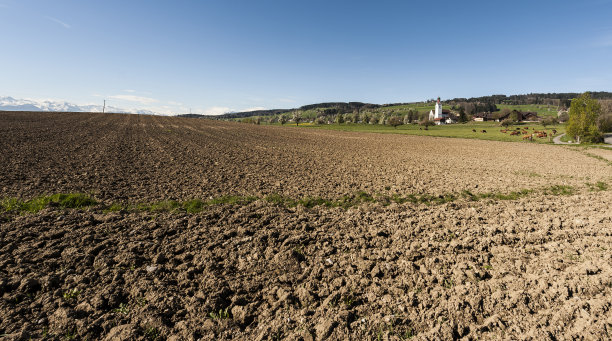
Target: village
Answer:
[[443, 116]]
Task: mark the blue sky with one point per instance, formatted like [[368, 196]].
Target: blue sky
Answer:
[[216, 56]]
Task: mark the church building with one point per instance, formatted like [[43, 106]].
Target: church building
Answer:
[[440, 116]]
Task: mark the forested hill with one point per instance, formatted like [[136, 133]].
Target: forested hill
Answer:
[[486, 103], [561, 99]]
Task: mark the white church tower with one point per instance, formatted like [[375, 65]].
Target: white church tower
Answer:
[[438, 113]]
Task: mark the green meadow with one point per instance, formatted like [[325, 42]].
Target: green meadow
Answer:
[[466, 130]]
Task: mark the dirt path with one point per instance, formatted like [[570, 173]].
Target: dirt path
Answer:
[[557, 140], [607, 139]]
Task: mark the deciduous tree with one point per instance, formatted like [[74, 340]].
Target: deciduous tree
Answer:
[[395, 121], [339, 118], [297, 117], [426, 123], [583, 115]]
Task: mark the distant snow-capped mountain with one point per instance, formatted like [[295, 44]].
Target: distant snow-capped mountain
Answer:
[[13, 104]]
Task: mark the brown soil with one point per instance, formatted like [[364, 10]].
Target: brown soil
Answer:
[[535, 268]]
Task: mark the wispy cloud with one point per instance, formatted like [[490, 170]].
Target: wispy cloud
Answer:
[[137, 99], [130, 91], [216, 110], [253, 109], [59, 22]]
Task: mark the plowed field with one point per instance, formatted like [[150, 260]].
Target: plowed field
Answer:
[[343, 235]]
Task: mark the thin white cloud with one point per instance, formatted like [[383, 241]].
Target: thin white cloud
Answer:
[[59, 22], [132, 98], [130, 90], [216, 110], [253, 109]]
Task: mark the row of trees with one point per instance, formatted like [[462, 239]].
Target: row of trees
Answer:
[[325, 117]]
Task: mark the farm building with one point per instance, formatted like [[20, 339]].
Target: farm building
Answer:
[[521, 116]]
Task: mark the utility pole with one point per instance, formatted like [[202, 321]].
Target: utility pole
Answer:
[[104, 107]]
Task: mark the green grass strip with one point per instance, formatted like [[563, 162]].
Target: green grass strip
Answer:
[[79, 200], [60, 200]]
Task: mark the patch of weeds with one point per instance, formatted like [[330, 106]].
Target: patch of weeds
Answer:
[[513, 195], [164, 206], [72, 200], [151, 333], [141, 301], [123, 309], [70, 335], [559, 190], [115, 207], [223, 314], [71, 294], [193, 206], [488, 267], [469, 195], [354, 200], [448, 283], [396, 198], [350, 300], [409, 334], [61, 200], [278, 199], [599, 186]]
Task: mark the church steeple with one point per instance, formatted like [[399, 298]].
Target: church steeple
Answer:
[[438, 112]]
